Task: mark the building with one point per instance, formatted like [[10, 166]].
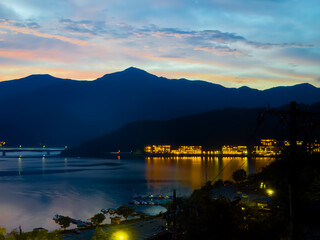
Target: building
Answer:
[[314, 147], [268, 147], [158, 149], [287, 143], [189, 150], [234, 150]]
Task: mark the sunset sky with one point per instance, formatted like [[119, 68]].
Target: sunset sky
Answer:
[[257, 43]]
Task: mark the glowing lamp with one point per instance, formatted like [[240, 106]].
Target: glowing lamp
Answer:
[[270, 192], [121, 235]]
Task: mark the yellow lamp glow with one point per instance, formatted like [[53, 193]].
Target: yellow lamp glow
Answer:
[[270, 192], [121, 235]]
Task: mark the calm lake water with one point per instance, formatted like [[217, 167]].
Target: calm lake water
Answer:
[[33, 189]]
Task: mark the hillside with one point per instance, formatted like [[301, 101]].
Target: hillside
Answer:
[[214, 128], [41, 109]]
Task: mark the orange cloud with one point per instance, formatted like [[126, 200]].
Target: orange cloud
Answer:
[[39, 55], [44, 35], [230, 81], [15, 72]]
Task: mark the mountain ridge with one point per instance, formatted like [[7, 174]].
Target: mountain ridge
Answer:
[[58, 111]]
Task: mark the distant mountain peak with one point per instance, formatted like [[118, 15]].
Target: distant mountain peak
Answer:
[[40, 75], [308, 85], [133, 69], [130, 72]]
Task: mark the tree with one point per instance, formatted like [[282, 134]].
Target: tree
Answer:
[[98, 218], [239, 176], [125, 211], [99, 234], [35, 235], [64, 222], [3, 231]]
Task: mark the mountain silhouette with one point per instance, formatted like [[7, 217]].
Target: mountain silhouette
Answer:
[[41, 109]]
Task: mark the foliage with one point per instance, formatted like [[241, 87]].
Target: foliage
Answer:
[[219, 183], [200, 216], [3, 231], [125, 211], [240, 175], [98, 218], [35, 235], [64, 222], [142, 215], [99, 234]]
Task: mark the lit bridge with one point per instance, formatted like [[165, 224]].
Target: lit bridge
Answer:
[[4, 150]]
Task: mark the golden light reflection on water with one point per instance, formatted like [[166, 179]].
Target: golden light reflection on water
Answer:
[[194, 171]]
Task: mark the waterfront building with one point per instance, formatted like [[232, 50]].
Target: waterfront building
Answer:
[[268, 147], [314, 147], [234, 150], [287, 143], [189, 150], [158, 149]]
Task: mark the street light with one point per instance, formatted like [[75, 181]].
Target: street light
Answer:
[[270, 192], [120, 235]]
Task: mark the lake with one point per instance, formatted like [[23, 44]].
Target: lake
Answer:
[[34, 189]]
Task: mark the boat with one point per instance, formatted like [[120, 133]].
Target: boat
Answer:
[[135, 202], [151, 203]]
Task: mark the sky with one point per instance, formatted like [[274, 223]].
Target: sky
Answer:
[[255, 43]]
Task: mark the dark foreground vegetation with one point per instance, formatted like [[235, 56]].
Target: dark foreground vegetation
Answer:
[[203, 217]]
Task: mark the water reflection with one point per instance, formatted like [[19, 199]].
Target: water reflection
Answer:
[[34, 189], [43, 165], [195, 171], [19, 166]]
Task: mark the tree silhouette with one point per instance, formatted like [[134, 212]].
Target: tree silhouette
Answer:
[[239, 175], [64, 222], [99, 234], [98, 218], [125, 211]]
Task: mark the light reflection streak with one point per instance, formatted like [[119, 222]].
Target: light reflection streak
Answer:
[[195, 171], [19, 165], [43, 165]]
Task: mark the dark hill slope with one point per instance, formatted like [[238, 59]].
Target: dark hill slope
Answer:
[[228, 126]]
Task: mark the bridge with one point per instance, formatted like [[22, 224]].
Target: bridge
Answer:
[[31, 149]]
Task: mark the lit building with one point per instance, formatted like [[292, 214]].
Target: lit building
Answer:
[[268, 142], [314, 147], [234, 150], [188, 150], [287, 143], [158, 149], [268, 147]]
